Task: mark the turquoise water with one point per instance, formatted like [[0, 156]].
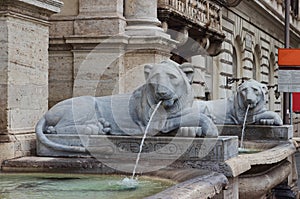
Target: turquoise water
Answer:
[[62, 186]]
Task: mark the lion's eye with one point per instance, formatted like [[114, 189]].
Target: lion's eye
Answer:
[[244, 90], [171, 76], [256, 91]]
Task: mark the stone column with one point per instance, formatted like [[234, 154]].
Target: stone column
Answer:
[[24, 39], [147, 42], [141, 18]]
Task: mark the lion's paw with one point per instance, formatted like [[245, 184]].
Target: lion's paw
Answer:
[[269, 118], [51, 130], [267, 121], [189, 131], [105, 126], [277, 122], [209, 129]]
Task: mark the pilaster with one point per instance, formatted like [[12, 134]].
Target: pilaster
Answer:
[[24, 71]]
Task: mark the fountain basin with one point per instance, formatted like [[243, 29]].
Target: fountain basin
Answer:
[[269, 162], [193, 182], [259, 183], [268, 152], [49, 185], [117, 154], [207, 185]]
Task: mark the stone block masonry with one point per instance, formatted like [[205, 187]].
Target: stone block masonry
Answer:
[[27, 74], [24, 35], [99, 47]]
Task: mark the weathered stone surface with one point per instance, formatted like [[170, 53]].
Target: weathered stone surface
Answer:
[[259, 184], [61, 28], [272, 155], [235, 166], [61, 78], [135, 58], [231, 191], [206, 185], [12, 146], [258, 132], [25, 63], [84, 32], [167, 84], [24, 39], [250, 98], [92, 27], [141, 16], [101, 8], [156, 148], [50, 164]]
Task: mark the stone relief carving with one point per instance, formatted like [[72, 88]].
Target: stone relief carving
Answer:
[[233, 109], [128, 114]]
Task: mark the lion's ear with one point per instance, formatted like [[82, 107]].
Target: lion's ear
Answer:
[[264, 89], [188, 69], [147, 69]]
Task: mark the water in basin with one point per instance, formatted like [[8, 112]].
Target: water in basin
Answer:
[[70, 186], [257, 146], [248, 151]]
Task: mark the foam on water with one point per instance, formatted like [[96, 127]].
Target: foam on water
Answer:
[[129, 183]]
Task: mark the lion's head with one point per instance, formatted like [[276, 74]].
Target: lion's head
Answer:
[[170, 83], [251, 93]]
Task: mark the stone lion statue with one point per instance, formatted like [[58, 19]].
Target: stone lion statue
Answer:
[[232, 110], [129, 114]]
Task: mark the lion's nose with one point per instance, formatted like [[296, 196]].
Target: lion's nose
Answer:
[[249, 101], [162, 92]]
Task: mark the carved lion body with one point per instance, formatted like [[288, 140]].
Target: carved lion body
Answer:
[[129, 114], [233, 109]]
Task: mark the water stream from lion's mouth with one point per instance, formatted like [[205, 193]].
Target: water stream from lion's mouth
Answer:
[[243, 129], [143, 140]]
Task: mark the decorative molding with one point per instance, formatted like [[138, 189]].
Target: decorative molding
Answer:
[[51, 5], [39, 9]]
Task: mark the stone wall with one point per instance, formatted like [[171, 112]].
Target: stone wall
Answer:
[[24, 72], [3, 74], [75, 33], [249, 51], [97, 46], [27, 84]]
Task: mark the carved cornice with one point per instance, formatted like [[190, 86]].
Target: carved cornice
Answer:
[[34, 9], [52, 5]]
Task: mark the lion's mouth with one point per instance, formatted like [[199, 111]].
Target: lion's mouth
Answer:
[[169, 103], [251, 104]]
